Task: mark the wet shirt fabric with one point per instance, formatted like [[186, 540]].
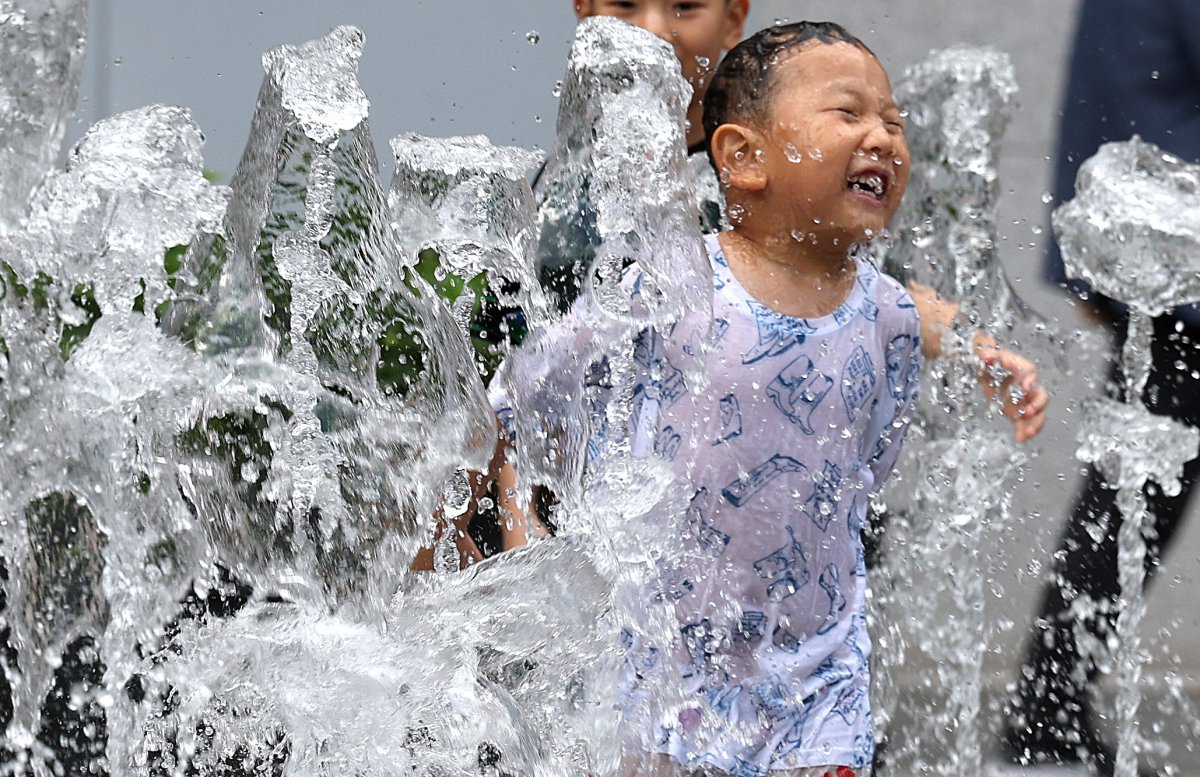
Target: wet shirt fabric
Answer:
[[779, 446], [800, 421]]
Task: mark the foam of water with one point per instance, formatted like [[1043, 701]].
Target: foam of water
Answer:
[[1133, 227]]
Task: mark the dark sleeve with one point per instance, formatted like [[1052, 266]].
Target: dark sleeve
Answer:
[[1161, 84], [1134, 69]]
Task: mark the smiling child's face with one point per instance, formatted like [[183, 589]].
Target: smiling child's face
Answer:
[[834, 147]]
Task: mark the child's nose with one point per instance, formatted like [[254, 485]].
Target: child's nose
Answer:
[[659, 22], [880, 139]]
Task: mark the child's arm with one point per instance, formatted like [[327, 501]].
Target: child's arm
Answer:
[[468, 551], [517, 522], [1004, 375]]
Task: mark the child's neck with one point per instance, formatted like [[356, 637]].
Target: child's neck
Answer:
[[794, 277]]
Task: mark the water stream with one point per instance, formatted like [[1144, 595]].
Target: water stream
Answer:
[[231, 414]]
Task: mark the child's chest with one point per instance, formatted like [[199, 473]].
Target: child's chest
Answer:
[[777, 381]]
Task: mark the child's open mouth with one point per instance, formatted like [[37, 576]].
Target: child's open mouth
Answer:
[[872, 183]]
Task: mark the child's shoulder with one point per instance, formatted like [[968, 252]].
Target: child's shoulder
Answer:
[[895, 304]]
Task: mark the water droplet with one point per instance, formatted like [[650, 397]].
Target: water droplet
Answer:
[[557, 90], [816, 155], [533, 37], [1047, 198], [117, 62], [1154, 74], [793, 154]]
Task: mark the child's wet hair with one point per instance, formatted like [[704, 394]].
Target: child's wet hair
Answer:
[[741, 87]]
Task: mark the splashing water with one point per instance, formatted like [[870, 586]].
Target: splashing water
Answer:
[[1133, 232], [255, 393], [955, 491], [253, 389]]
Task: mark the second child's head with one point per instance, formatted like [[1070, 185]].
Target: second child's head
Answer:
[[806, 137], [699, 30]]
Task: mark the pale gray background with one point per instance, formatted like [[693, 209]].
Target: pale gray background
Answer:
[[446, 67]]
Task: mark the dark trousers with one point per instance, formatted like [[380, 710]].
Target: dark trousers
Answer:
[[1050, 714]]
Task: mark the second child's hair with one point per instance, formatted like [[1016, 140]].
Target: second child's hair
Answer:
[[741, 87]]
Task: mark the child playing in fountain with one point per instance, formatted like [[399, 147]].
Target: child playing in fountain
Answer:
[[700, 32], [809, 389], [808, 386]]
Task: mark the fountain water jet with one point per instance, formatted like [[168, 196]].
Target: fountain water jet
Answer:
[[255, 381], [1133, 232], [955, 488]]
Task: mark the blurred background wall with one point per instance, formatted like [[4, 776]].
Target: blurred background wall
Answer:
[[449, 67]]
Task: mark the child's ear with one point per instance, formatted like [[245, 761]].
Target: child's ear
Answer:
[[736, 152], [735, 23]]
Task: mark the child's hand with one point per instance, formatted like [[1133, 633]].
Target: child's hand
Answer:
[[1012, 380]]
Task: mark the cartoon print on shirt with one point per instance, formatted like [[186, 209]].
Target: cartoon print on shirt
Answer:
[[830, 672], [676, 591], [777, 333], [754, 477], [744, 768], [858, 381], [719, 327], [827, 491], [665, 381], [700, 643], [869, 310], [786, 569], [853, 641], [797, 391], [830, 582], [666, 443], [752, 626], [848, 703], [707, 536], [731, 418], [741, 490], [770, 699], [864, 746], [793, 738], [902, 368], [785, 640], [723, 699]]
